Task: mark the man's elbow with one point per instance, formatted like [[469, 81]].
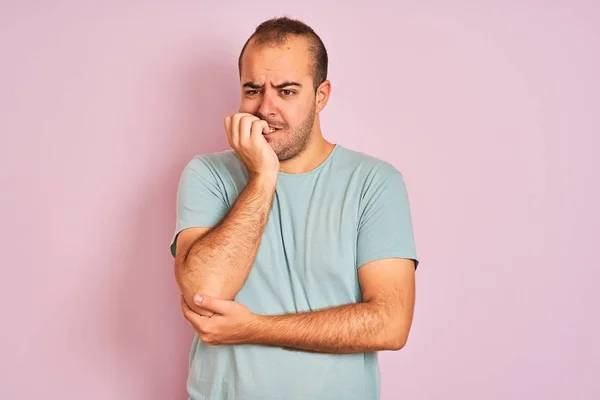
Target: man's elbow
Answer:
[[193, 284], [396, 337], [395, 344]]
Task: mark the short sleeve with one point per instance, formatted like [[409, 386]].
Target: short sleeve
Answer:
[[385, 225], [200, 200]]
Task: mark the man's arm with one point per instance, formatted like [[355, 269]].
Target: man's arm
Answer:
[[380, 322], [218, 261], [387, 258]]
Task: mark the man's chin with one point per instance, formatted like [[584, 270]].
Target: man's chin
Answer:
[[280, 151], [275, 145]]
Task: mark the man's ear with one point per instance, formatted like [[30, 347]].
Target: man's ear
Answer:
[[322, 95]]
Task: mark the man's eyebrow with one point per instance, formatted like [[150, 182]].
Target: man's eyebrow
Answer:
[[286, 84], [253, 85]]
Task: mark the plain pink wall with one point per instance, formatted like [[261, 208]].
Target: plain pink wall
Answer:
[[490, 110]]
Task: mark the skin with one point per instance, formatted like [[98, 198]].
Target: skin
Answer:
[[213, 263], [277, 85]]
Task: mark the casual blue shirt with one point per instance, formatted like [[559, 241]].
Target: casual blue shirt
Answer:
[[323, 226]]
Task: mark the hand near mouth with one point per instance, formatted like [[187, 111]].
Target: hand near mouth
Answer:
[[245, 136]]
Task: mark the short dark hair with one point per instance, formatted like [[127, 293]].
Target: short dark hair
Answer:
[[276, 31]]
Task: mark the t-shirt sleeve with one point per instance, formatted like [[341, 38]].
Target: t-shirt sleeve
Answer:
[[201, 202], [385, 225]]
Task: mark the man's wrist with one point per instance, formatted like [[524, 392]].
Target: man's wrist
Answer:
[[265, 181], [254, 329]]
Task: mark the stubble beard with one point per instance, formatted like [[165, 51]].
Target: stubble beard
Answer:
[[298, 138]]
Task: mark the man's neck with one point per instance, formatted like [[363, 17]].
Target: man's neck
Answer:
[[316, 152]]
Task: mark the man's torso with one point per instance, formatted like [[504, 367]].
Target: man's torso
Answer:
[[306, 260]]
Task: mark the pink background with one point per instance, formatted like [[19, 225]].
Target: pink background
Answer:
[[490, 109]]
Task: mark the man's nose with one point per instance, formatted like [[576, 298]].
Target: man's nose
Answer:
[[266, 108]]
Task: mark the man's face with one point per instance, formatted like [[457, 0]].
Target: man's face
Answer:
[[277, 86]]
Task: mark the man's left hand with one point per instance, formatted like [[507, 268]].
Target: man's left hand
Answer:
[[230, 324]]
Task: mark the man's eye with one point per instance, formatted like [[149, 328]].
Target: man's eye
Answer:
[[252, 92], [287, 92]]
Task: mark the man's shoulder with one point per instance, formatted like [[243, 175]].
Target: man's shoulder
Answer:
[[218, 163], [218, 157], [365, 164]]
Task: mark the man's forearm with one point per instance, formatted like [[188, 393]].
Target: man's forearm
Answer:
[[353, 328], [219, 262]]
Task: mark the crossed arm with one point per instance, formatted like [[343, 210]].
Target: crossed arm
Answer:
[[380, 322], [213, 266]]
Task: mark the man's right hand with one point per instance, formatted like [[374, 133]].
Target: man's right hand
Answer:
[[245, 135]]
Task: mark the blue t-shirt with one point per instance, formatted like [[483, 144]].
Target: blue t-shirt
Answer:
[[323, 226]]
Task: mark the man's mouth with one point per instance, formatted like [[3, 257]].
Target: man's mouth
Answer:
[[273, 129]]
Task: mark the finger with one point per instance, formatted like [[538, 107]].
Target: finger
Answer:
[[235, 126], [213, 304], [235, 129], [246, 124], [266, 128], [199, 322], [187, 311], [203, 312], [195, 309], [227, 124], [258, 128]]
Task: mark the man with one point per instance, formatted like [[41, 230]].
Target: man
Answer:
[[295, 256]]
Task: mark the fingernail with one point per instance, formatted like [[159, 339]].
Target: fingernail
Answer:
[[198, 299]]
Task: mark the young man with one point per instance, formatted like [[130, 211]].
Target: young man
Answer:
[[295, 256]]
